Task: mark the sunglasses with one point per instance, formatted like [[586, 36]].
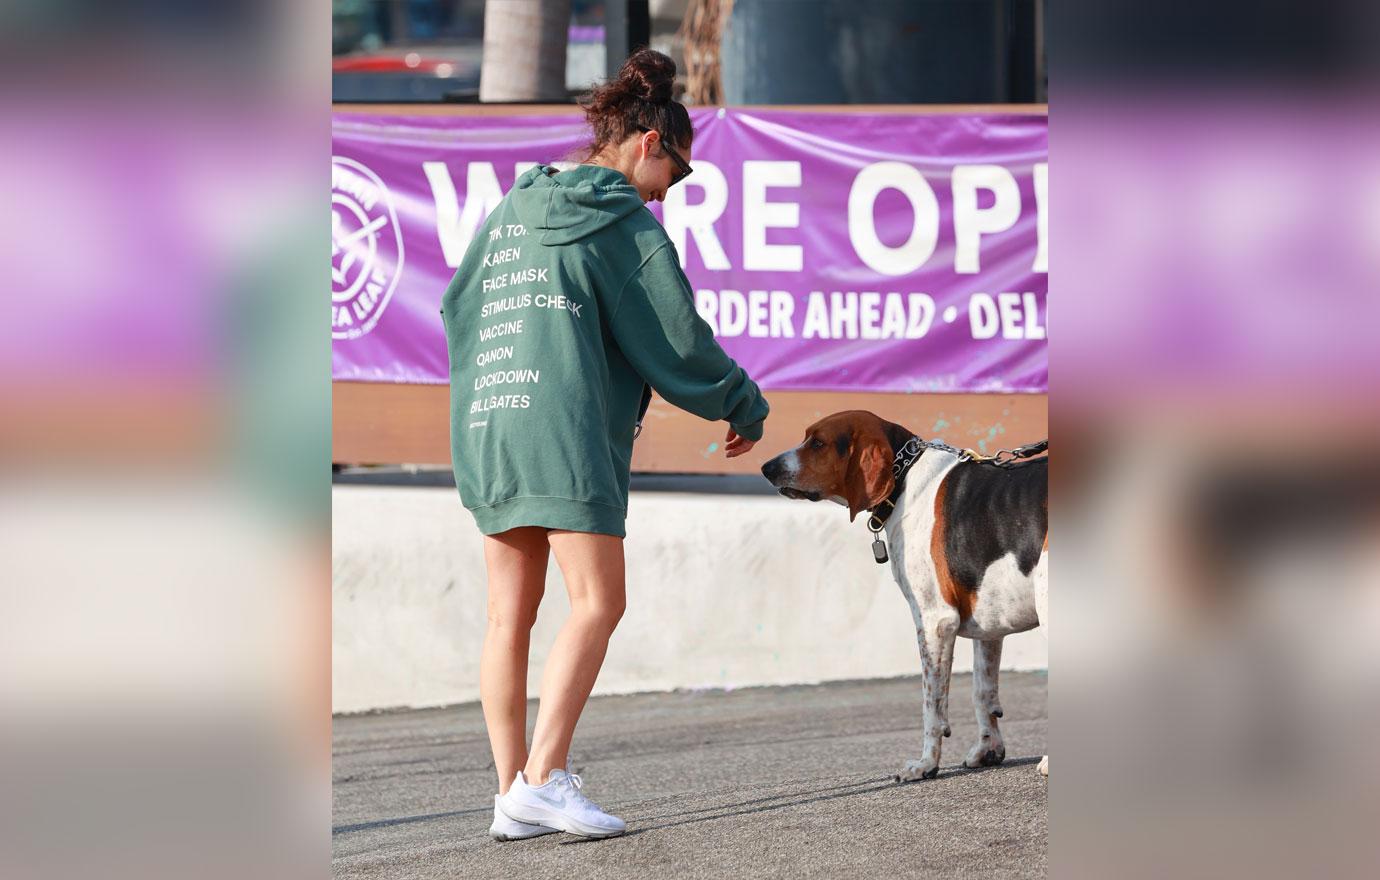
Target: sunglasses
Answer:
[[683, 168]]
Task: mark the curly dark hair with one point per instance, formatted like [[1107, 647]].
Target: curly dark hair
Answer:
[[640, 97]]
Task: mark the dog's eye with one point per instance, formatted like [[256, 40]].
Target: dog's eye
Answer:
[[816, 443]]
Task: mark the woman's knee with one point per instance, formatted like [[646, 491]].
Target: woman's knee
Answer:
[[603, 611], [515, 616], [511, 623]]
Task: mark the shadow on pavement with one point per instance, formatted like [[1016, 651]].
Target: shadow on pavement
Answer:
[[797, 799], [406, 820], [730, 810]]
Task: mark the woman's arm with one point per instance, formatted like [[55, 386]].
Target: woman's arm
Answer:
[[671, 346]]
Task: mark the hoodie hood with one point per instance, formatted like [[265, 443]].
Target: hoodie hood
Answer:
[[568, 206]]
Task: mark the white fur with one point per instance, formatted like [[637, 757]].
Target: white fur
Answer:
[[1006, 601], [790, 463]]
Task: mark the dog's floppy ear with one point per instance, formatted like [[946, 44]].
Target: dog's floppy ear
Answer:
[[869, 480]]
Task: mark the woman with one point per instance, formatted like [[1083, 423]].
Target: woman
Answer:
[[570, 298]]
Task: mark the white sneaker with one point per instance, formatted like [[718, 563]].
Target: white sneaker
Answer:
[[509, 829], [559, 804]]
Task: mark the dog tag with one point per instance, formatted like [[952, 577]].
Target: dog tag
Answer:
[[879, 549]]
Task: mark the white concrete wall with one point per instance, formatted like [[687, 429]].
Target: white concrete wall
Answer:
[[723, 591]]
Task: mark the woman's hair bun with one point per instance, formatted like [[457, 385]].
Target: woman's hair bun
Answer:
[[638, 99], [649, 75]]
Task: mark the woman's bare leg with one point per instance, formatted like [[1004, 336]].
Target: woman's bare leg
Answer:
[[593, 569], [516, 563]]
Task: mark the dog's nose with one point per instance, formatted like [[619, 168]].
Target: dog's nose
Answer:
[[771, 469]]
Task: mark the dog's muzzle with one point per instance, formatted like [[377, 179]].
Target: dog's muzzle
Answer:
[[775, 472]]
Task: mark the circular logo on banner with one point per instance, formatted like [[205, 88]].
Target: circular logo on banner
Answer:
[[366, 248]]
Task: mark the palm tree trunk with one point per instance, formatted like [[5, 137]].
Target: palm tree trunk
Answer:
[[524, 50], [703, 32]]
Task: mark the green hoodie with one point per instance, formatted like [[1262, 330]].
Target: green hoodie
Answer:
[[568, 299]]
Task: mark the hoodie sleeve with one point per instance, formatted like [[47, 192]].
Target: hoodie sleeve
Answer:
[[671, 346]]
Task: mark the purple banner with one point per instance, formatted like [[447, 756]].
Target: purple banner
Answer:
[[896, 252]]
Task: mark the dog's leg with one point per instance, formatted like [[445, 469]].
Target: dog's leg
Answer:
[[989, 749], [937, 634]]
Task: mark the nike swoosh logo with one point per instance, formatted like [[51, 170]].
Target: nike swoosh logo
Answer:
[[557, 801]]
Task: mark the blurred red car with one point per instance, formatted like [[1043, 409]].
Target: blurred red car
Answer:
[[404, 74]]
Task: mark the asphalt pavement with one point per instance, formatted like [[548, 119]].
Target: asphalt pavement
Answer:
[[758, 782]]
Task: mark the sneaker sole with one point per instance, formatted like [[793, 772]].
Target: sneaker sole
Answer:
[[561, 823], [504, 838]]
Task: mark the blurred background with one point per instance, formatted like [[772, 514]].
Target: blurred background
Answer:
[[164, 440], [167, 405], [769, 51], [1213, 392]]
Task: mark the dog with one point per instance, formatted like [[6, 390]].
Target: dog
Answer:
[[968, 545]]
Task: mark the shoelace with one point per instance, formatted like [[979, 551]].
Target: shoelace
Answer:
[[576, 783]]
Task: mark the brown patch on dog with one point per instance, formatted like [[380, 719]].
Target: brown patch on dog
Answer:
[[950, 590], [868, 480]]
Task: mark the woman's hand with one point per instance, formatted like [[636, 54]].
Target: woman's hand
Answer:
[[735, 445]]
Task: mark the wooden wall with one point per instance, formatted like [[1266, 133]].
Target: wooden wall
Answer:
[[378, 423]]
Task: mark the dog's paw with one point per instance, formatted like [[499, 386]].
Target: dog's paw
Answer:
[[985, 753], [923, 768], [1044, 766]]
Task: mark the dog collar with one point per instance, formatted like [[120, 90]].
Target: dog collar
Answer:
[[905, 457]]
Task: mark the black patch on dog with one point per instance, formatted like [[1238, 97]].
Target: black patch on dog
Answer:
[[897, 435], [842, 442], [990, 511]]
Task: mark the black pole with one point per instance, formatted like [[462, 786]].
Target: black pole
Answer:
[[627, 26]]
